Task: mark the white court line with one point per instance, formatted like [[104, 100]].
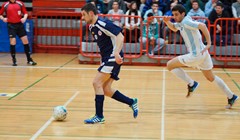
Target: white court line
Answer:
[[124, 69], [163, 106], [51, 119]]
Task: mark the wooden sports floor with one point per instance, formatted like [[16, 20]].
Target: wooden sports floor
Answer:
[[29, 93]]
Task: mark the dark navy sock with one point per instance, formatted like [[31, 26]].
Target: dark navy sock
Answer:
[[122, 98], [13, 51], [99, 99], [27, 52]]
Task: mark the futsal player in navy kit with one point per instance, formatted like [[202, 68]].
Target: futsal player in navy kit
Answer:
[[109, 39], [14, 10]]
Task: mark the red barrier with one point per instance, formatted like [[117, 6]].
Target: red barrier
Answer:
[[226, 39], [56, 32]]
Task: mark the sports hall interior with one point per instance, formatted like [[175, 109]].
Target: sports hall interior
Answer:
[[67, 60]]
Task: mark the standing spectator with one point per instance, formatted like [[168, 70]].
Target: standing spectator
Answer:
[[236, 10], [14, 10], [196, 11], [151, 34], [209, 6], [132, 23], [117, 14]]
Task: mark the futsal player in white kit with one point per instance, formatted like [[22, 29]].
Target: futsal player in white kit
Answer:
[[198, 56]]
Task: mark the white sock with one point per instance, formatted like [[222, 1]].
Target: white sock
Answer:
[[222, 85], [180, 73]]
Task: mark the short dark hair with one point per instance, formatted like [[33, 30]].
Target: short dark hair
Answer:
[[180, 8], [220, 4], [90, 7], [149, 14]]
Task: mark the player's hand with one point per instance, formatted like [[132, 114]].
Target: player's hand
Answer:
[[23, 20], [205, 49], [4, 20], [166, 18], [119, 59]]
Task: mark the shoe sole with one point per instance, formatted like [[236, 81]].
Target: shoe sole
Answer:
[[190, 93], [230, 106], [95, 123]]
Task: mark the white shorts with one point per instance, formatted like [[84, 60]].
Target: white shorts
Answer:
[[202, 61]]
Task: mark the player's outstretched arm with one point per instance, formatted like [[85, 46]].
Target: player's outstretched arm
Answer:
[[166, 20]]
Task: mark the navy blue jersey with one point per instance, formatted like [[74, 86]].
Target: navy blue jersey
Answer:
[[104, 33]]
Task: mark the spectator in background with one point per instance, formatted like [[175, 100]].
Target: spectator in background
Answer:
[[236, 10], [169, 12], [148, 5], [168, 6], [99, 4], [14, 11], [196, 11], [210, 5], [151, 34], [117, 13], [128, 3], [154, 10], [132, 23], [188, 5], [222, 28], [142, 5], [121, 4]]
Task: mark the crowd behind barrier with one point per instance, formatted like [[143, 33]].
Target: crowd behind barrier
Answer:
[[225, 45]]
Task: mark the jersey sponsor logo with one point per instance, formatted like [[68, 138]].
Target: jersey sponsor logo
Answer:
[[19, 12]]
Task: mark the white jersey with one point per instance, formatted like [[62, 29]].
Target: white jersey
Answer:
[[191, 35]]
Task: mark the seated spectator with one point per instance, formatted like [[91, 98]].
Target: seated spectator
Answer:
[[142, 5], [121, 4], [210, 5], [188, 5], [132, 24], [128, 3], [150, 34], [99, 4], [117, 13], [222, 31], [148, 5], [154, 10], [236, 10], [196, 11], [168, 4]]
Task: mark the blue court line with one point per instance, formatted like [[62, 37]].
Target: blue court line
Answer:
[[237, 85], [41, 79]]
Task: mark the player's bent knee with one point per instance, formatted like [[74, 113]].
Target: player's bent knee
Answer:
[[211, 79]]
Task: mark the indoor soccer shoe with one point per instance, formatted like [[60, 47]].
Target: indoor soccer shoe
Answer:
[[232, 101], [134, 107], [14, 62], [192, 88], [94, 119], [32, 63]]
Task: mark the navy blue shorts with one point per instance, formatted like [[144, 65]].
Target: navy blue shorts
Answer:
[[110, 66]]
